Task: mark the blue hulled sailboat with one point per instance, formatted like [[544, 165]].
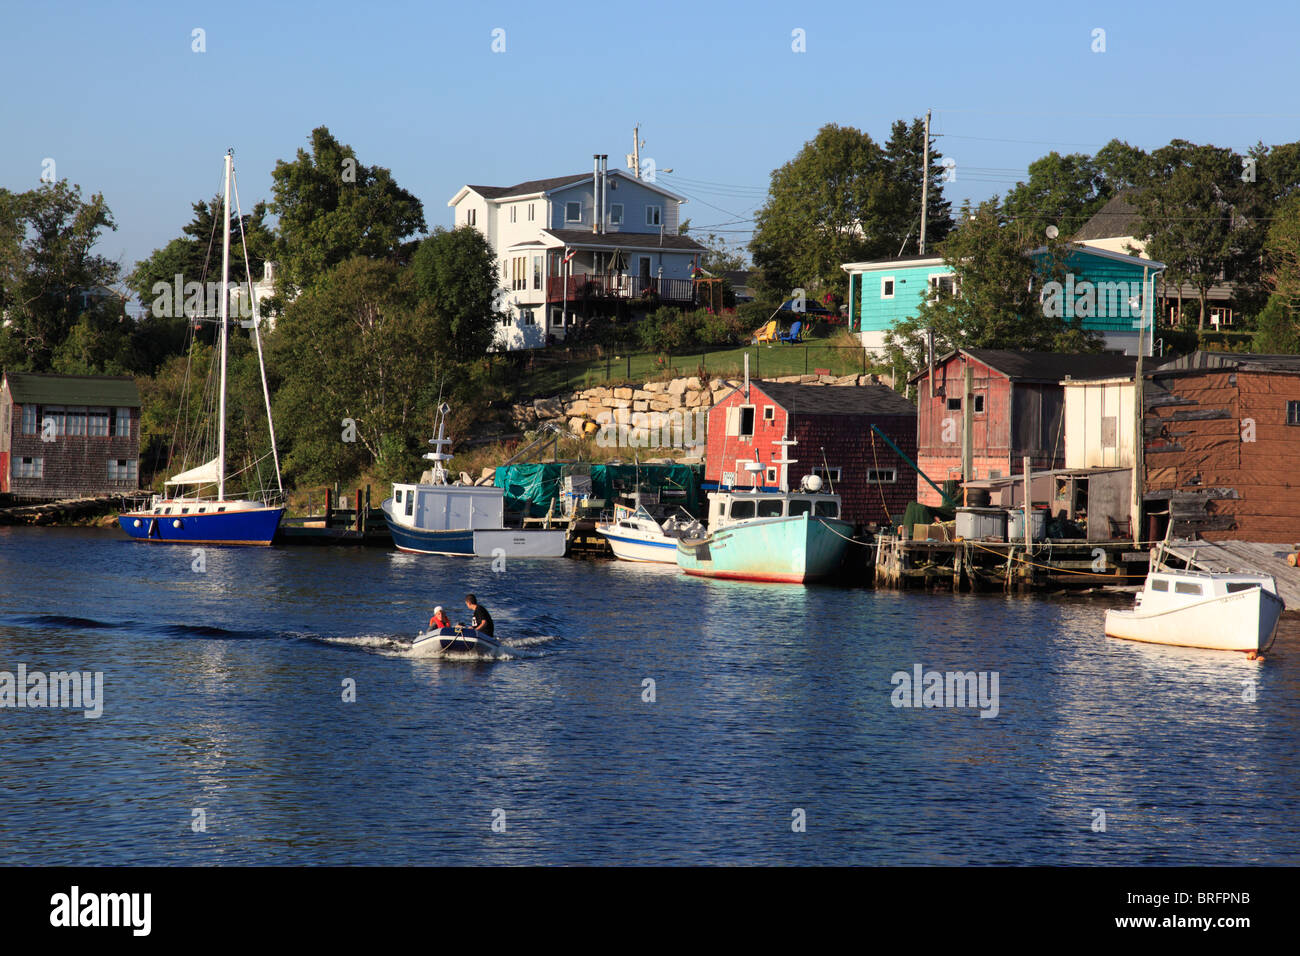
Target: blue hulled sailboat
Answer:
[[186, 513]]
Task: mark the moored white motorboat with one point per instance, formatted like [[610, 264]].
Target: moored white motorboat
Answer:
[[455, 639], [436, 516], [1219, 611], [636, 535]]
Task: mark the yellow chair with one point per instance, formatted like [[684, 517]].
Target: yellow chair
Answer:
[[767, 333]]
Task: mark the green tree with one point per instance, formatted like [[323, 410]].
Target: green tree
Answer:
[[331, 208], [996, 302], [1062, 191], [196, 254], [1277, 331], [842, 198], [356, 362], [1122, 166], [455, 277], [1201, 220], [898, 212], [52, 279]]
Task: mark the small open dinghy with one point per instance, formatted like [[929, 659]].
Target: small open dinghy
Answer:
[[455, 639]]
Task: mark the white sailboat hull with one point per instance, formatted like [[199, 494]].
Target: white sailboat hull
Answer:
[[1244, 621]]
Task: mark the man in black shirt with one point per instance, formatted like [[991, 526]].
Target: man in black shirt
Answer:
[[480, 617]]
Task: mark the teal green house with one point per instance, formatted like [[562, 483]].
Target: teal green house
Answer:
[[1109, 292]]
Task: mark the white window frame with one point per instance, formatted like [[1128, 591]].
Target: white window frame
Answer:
[[531, 212], [658, 218], [874, 475], [122, 469], [933, 286], [568, 206], [471, 217], [893, 287], [831, 474], [29, 466], [514, 211], [769, 413]]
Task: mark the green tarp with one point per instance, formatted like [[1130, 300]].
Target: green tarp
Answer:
[[531, 488]]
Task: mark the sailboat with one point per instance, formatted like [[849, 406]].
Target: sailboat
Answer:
[[184, 514]]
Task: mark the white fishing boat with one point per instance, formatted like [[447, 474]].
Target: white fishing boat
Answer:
[[637, 535], [440, 517], [1219, 611]]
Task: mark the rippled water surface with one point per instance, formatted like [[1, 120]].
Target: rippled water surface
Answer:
[[223, 692]]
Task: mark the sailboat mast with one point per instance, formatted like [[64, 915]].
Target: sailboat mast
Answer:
[[225, 316]]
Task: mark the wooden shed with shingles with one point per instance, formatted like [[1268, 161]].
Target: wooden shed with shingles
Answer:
[[65, 436], [1222, 446]]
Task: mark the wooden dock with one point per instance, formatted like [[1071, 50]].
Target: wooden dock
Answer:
[[61, 511], [1253, 556], [986, 565], [356, 525]]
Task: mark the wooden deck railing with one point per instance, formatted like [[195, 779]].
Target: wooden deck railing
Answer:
[[678, 291]]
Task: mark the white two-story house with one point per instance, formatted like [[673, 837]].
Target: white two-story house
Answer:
[[591, 243]]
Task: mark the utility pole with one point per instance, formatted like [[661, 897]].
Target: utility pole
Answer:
[[925, 179], [634, 157], [1139, 416]]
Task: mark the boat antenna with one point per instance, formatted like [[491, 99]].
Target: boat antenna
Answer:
[[827, 468]]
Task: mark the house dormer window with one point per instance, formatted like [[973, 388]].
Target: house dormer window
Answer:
[[616, 214], [471, 217], [654, 215], [573, 212]]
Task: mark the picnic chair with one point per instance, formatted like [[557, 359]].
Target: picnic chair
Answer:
[[765, 333], [794, 335]]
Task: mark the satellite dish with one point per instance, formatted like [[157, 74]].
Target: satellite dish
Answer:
[[1052, 232]]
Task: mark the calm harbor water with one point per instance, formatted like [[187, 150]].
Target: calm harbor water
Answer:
[[223, 693]]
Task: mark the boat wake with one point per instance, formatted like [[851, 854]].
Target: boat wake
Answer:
[[69, 622]]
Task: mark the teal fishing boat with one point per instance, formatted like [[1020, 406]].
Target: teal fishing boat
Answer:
[[787, 536]]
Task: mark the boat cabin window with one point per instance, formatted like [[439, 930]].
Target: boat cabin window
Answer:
[[185, 511], [1235, 586], [827, 509], [398, 495], [221, 509], [1159, 584], [769, 508], [1186, 587], [742, 509], [410, 504], [800, 506]]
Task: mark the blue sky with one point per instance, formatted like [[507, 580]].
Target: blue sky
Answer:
[[115, 95]]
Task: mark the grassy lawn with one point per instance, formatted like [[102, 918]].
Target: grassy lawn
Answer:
[[765, 361]]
